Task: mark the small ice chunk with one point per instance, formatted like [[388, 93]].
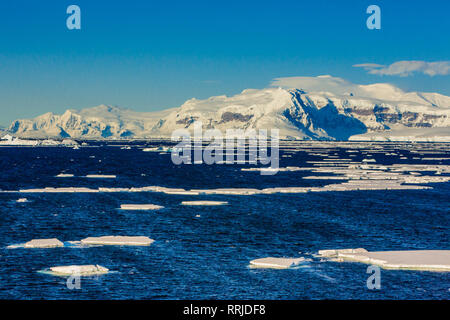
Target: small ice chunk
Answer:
[[64, 175], [276, 263], [140, 207], [82, 270], [118, 240], [44, 243], [203, 203]]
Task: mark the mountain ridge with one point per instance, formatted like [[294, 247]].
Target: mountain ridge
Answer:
[[317, 108]]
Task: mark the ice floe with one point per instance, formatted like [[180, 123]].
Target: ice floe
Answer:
[[118, 240], [38, 243], [203, 203], [140, 207], [78, 270], [346, 186], [335, 252], [425, 260], [43, 243], [354, 176], [101, 176], [275, 169], [64, 175], [276, 263], [59, 190]]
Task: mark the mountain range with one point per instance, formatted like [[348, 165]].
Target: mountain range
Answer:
[[306, 108]]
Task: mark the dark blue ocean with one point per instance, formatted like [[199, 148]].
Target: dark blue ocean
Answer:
[[207, 257]]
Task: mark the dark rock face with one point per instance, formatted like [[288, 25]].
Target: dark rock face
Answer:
[[187, 121], [231, 116]]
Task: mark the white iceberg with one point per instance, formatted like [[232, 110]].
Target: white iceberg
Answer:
[[11, 141], [7, 137], [69, 142], [49, 142]]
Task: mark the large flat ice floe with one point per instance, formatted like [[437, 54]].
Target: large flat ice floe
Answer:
[[140, 207], [81, 270], [276, 263], [118, 241], [425, 260], [43, 243], [38, 243], [204, 203]]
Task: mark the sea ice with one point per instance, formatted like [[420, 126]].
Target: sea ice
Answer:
[[101, 176], [336, 252], [425, 260], [43, 243], [276, 263], [82, 270], [140, 207], [204, 203], [118, 240]]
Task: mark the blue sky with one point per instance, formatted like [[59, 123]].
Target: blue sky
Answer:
[[151, 55]]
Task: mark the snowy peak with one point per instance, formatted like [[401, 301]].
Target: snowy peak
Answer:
[[97, 122], [321, 107]]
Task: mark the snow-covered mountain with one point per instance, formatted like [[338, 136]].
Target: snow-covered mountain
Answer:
[[97, 122], [321, 107]]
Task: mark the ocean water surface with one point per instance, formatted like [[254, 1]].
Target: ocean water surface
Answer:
[[203, 252]]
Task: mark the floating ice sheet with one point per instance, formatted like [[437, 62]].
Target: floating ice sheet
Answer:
[[425, 260], [204, 203], [140, 207], [276, 263], [78, 270], [118, 240]]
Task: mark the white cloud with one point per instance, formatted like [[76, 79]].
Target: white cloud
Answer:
[[407, 68], [312, 84]]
